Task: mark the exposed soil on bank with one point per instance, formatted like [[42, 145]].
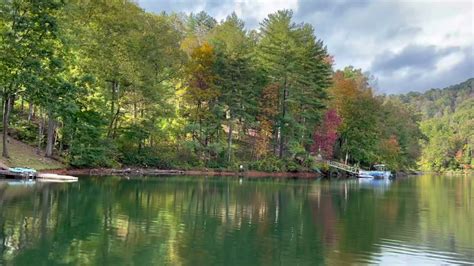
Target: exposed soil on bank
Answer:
[[24, 155], [160, 172]]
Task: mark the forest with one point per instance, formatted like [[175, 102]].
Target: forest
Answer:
[[447, 125], [106, 84]]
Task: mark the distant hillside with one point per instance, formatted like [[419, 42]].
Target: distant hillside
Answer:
[[439, 102], [448, 124]]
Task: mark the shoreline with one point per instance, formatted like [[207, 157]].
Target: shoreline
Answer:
[[161, 172], [137, 172]]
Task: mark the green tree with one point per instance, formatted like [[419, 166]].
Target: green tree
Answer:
[[447, 116], [29, 30], [293, 57], [353, 99], [236, 79]]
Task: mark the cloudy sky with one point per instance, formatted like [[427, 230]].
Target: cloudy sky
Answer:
[[406, 45]]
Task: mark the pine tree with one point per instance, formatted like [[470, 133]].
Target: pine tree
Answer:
[[295, 59], [236, 79]]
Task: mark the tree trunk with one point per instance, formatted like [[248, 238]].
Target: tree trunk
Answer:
[[116, 123], [229, 139], [50, 136], [276, 140], [22, 105], [6, 115], [135, 111], [12, 103], [112, 104], [40, 134], [30, 111], [282, 135], [113, 113]]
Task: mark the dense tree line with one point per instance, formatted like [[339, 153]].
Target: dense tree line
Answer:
[[364, 128], [448, 126], [103, 83]]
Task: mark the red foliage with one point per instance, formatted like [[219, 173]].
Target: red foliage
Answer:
[[325, 135]]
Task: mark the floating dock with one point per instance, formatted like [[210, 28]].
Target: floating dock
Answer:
[[44, 177]]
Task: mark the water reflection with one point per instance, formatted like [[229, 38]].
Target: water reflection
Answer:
[[203, 221]]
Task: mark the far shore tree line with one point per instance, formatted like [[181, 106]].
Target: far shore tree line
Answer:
[[104, 83]]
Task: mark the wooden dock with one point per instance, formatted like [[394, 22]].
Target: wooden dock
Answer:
[[344, 167]]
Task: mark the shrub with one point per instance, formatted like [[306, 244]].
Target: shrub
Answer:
[[292, 166], [25, 131], [147, 158], [100, 154], [268, 164]]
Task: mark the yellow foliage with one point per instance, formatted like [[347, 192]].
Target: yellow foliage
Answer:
[[269, 110]]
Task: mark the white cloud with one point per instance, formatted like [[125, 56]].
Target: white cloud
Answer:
[[257, 10], [357, 32], [358, 35]]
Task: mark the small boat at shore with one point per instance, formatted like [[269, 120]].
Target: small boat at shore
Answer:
[[380, 173]]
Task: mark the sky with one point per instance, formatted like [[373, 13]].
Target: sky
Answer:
[[406, 45]]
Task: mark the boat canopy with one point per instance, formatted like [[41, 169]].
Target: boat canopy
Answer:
[[380, 167], [22, 170]]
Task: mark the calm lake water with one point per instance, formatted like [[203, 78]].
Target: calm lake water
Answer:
[[225, 221]]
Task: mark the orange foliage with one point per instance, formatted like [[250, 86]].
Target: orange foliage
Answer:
[[347, 87], [269, 105], [201, 77], [459, 155], [390, 149], [201, 92]]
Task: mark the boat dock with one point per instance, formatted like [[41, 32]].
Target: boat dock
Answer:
[[380, 173], [344, 167], [8, 174], [13, 173]]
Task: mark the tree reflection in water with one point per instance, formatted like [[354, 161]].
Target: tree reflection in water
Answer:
[[190, 220]]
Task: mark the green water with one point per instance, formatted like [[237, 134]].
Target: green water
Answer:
[[227, 221]]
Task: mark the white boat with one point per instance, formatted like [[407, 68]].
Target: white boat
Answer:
[[380, 173]]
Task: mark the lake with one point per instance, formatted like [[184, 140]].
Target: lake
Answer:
[[231, 221]]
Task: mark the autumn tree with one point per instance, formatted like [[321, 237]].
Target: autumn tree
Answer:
[[266, 119], [201, 95], [326, 134], [112, 84], [372, 129], [352, 98]]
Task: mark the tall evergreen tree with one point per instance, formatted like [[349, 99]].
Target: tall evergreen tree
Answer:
[[295, 59], [235, 76]]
